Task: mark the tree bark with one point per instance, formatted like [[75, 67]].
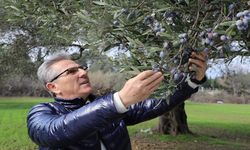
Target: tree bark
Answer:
[[174, 122]]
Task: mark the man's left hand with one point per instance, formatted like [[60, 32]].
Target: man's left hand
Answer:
[[198, 64]]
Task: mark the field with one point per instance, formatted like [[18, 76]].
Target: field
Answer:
[[215, 127]]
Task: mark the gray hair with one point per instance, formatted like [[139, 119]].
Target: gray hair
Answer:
[[45, 72]]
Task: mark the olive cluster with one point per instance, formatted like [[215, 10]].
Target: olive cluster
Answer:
[[244, 18], [155, 25], [208, 37]]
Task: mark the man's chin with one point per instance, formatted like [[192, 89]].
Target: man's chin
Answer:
[[85, 94], [87, 91]]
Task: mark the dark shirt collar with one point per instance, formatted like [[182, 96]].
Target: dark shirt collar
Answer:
[[74, 103], [71, 103]]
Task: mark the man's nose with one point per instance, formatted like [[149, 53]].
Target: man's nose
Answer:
[[82, 72]]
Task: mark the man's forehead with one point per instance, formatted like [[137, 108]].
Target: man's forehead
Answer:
[[64, 64]]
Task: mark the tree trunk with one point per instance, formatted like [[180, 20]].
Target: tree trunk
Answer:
[[174, 122]]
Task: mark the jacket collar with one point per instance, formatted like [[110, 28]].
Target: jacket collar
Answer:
[[71, 103], [74, 103]]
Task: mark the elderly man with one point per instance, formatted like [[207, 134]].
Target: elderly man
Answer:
[[77, 120]]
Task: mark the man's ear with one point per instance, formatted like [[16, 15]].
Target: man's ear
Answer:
[[52, 87]]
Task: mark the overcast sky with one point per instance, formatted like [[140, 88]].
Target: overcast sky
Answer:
[[216, 66], [239, 64]]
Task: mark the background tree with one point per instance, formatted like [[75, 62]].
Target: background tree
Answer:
[[158, 35], [236, 83]]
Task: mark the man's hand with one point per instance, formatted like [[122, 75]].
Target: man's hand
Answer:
[[140, 87], [198, 64]]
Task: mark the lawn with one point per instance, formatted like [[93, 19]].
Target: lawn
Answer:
[[215, 126], [224, 126], [13, 131]]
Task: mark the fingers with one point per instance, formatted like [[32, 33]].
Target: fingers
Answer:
[[198, 59], [154, 85], [198, 64], [193, 67], [152, 78], [202, 56], [140, 87], [145, 74]]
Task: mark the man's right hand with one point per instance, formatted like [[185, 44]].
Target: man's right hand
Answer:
[[140, 87]]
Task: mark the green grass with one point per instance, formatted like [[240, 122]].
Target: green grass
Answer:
[[13, 131], [227, 125], [226, 120], [215, 124]]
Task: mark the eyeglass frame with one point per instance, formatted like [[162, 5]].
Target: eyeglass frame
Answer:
[[78, 67]]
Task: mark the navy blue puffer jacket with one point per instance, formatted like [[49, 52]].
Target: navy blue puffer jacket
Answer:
[[74, 125]]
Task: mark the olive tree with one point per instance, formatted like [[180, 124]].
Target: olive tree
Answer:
[[158, 35]]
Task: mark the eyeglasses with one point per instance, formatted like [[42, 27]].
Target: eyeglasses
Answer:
[[71, 70]]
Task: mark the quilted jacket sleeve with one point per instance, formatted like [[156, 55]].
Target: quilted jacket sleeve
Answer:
[[47, 128], [152, 108]]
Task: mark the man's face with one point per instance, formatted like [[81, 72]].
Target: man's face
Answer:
[[70, 84]]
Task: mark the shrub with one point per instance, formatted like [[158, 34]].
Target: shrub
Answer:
[[22, 86], [106, 82], [218, 95]]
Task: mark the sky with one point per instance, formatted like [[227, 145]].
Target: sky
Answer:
[[238, 64], [216, 67]]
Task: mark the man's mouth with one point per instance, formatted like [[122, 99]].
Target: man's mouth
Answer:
[[85, 82]]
